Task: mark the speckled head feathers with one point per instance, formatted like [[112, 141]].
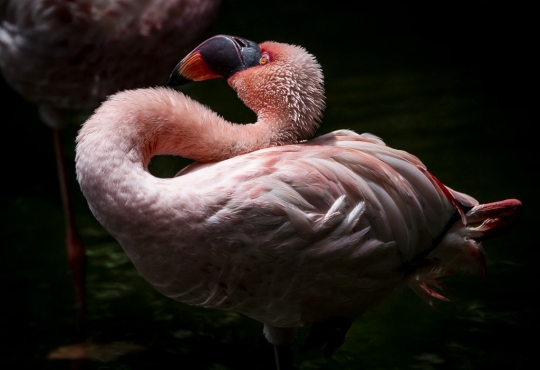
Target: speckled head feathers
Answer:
[[292, 82]]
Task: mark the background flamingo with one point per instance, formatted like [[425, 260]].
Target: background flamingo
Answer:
[[448, 88], [69, 55], [289, 232]]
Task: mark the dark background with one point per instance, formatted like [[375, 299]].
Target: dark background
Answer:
[[451, 82]]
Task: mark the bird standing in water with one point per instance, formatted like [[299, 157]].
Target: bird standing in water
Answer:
[[70, 55], [288, 231]]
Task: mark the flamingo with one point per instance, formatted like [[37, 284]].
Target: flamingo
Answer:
[[69, 55], [288, 231]]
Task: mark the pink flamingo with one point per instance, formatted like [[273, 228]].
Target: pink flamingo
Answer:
[[286, 231], [65, 55]]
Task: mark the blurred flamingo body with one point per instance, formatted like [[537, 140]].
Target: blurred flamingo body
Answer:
[[70, 55], [73, 54], [286, 231]]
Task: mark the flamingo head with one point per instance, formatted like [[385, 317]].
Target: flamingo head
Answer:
[[281, 83]]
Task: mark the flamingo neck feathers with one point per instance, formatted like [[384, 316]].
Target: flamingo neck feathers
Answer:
[[287, 94], [160, 121]]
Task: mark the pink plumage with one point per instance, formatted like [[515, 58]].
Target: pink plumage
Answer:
[[287, 231]]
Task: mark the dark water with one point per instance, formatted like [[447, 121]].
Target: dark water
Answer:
[[447, 83]]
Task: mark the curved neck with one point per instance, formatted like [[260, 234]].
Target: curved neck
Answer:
[[161, 121]]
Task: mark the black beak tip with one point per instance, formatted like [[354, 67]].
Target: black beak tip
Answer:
[[176, 79]]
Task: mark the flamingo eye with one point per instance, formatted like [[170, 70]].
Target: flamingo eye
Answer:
[[265, 58]]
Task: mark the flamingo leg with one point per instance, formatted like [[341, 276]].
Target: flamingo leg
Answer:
[[75, 249]]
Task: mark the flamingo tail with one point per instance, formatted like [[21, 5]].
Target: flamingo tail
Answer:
[[460, 249]]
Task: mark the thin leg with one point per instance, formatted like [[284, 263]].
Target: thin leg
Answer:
[[281, 339], [75, 249]]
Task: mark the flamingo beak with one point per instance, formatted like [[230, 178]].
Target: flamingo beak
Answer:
[[219, 56]]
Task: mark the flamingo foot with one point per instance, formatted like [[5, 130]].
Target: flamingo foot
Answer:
[[329, 333]]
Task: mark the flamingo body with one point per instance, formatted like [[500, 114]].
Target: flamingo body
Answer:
[[287, 231], [73, 54]]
